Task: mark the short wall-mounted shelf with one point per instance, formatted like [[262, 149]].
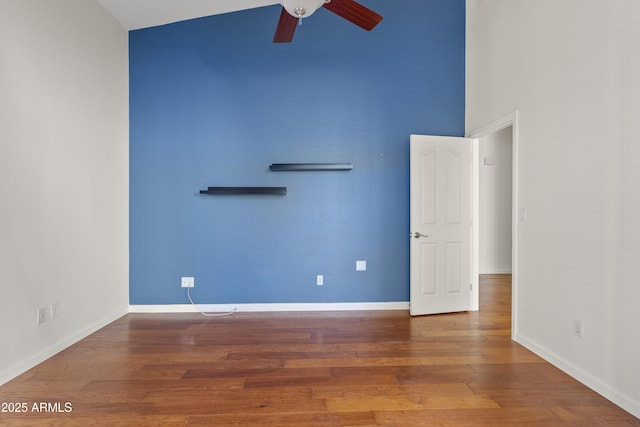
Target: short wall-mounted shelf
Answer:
[[214, 191], [295, 167]]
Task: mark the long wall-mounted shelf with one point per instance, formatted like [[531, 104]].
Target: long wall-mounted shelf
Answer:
[[214, 191], [295, 167], [278, 167]]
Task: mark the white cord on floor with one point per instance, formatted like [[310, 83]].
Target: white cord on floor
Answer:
[[209, 314]]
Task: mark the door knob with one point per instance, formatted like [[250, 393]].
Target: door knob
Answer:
[[418, 235]]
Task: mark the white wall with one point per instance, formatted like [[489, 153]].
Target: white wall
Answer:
[[63, 175], [571, 70], [495, 177]]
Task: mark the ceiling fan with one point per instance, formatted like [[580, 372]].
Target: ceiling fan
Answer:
[[294, 10]]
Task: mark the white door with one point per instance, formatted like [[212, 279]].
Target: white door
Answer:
[[440, 224]]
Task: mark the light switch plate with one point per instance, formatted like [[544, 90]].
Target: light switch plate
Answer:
[[361, 265], [489, 161], [523, 214]]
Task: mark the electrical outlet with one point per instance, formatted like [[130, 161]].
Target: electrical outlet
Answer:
[[578, 328], [187, 282], [361, 265], [41, 316], [54, 310], [319, 280]]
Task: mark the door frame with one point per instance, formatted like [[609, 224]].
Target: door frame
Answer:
[[488, 129]]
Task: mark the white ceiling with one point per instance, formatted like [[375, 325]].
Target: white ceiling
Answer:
[[135, 14]]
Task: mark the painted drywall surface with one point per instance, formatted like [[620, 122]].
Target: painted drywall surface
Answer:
[[214, 102], [495, 202], [63, 175], [568, 68]]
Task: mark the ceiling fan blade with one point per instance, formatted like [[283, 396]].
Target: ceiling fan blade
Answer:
[[355, 13], [286, 27]]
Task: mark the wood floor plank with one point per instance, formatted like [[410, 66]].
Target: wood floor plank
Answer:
[[351, 419], [357, 368], [458, 417], [290, 380], [412, 397]]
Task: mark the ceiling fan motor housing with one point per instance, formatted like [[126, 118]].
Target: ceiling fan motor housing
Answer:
[[293, 10], [302, 8]]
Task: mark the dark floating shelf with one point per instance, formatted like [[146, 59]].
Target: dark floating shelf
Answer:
[[295, 167], [214, 191]]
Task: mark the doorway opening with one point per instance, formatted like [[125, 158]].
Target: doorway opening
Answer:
[[495, 207], [495, 202]]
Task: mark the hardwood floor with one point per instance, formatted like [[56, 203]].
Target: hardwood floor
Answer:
[[308, 369]]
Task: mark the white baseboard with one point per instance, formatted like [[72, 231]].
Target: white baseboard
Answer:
[[497, 271], [22, 367], [621, 399], [223, 308]]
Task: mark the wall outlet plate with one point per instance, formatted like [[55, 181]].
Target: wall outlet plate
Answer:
[[41, 316], [187, 282], [319, 280], [361, 265], [54, 310], [578, 328]]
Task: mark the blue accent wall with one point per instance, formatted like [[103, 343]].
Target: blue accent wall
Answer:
[[213, 102]]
